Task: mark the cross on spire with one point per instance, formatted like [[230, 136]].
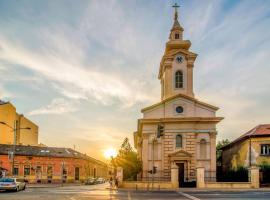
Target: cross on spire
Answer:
[[175, 6]]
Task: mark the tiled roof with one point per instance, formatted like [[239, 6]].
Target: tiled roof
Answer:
[[260, 130], [46, 152]]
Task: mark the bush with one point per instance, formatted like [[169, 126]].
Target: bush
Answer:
[[238, 175]]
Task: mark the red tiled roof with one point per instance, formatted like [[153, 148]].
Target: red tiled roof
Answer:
[[260, 130]]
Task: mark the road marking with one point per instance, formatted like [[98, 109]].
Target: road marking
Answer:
[[188, 196], [129, 195]]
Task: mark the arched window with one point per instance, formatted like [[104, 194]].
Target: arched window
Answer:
[[179, 79], [203, 146], [179, 141]]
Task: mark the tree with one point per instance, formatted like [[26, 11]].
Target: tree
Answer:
[[127, 159], [221, 144]]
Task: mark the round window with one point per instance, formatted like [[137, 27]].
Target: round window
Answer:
[[179, 109]]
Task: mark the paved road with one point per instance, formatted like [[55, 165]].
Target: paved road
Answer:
[[101, 192]]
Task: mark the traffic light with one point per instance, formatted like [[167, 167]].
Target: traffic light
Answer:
[[160, 131], [154, 170], [150, 171]]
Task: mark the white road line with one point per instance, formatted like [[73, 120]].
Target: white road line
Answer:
[[188, 196], [129, 195]]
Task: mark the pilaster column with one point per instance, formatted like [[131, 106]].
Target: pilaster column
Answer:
[[190, 79]]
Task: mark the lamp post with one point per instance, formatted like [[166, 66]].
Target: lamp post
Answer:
[[14, 129]]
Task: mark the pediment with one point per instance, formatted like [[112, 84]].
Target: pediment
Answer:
[[174, 52], [180, 153]]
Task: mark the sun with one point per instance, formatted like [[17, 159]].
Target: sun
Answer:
[[108, 153]]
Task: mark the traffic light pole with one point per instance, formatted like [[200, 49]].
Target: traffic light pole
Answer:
[[153, 162]]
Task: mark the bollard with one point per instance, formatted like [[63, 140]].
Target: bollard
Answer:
[[136, 187], [147, 186], [158, 187]]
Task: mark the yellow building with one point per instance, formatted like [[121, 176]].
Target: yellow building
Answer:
[[250, 149], [188, 125], [9, 119]]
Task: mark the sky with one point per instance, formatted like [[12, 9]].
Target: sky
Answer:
[[82, 70]]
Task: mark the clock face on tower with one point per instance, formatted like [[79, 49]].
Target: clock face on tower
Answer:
[[179, 59]]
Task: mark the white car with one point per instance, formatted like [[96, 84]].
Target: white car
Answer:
[[100, 180], [12, 184]]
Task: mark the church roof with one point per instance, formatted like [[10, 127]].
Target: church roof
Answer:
[[177, 96], [261, 130]]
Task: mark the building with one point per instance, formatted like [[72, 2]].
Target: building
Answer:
[[13, 120], [188, 124], [50, 164], [250, 149]]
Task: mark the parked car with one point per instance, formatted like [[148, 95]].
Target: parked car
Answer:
[[12, 184], [90, 181], [101, 180]]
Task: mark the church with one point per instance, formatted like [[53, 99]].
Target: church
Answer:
[[179, 132]]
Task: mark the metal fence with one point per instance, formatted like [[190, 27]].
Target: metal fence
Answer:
[[159, 176], [241, 175]]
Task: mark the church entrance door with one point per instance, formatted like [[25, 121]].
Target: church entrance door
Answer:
[[181, 174]]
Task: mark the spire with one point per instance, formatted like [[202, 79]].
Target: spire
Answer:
[[175, 6], [176, 24]]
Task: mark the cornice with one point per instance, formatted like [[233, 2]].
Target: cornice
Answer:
[[183, 96]]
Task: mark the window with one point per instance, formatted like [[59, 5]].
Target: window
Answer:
[[26, 171], [203, 149], [16, 171], [179, 79], [265, 149], [176, 36], [179, 141], [179, 109]]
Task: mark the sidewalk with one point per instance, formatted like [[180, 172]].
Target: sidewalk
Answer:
[[51, 185], [189, 190]]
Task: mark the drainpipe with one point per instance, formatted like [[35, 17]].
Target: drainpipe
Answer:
[[249, 151]]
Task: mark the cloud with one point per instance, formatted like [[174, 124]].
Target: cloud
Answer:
[[57, 106], [5, 94], [109, 55]]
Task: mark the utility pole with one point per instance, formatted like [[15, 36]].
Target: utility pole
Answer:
[[14, 146], [14, 129]]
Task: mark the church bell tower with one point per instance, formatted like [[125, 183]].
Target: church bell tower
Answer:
[[176, 66]]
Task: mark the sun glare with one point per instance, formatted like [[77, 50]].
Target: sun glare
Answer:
[[108, 153]]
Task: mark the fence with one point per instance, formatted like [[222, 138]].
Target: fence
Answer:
[[159, 176], [239, 175], [265, 176]]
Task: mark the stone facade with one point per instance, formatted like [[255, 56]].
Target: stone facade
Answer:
[[188, 125]]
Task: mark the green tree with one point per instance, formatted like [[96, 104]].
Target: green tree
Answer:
[[127, 158], [221, 144]]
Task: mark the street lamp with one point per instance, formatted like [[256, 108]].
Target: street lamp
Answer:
[[14, 141]]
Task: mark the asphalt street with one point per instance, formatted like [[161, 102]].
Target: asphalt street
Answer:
[[102, 192]]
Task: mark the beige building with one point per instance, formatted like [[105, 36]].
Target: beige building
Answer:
[[11, 118], [188, 125], [250, 149]]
